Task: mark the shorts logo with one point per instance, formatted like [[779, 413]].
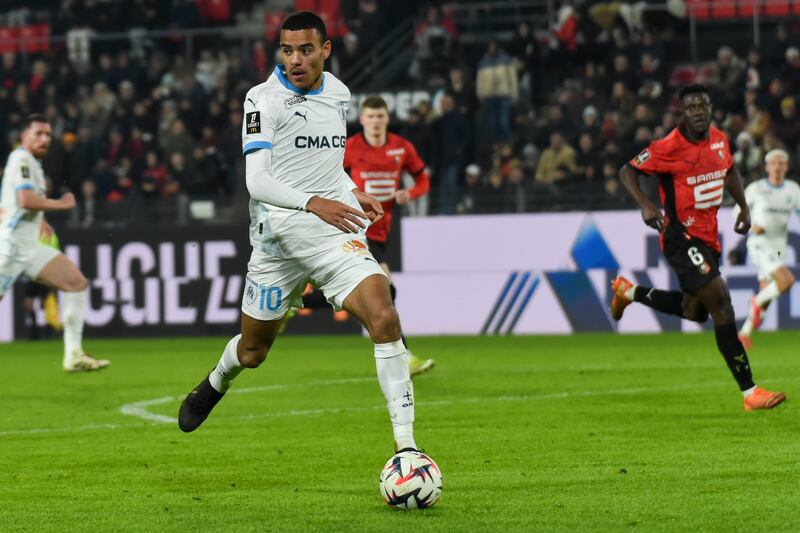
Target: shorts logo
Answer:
[[356, 247], [704, 268], [294, 100], [253, 122], [641, 158], [251, 292]]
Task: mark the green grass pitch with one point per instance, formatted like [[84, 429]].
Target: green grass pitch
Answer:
[[580, 433]]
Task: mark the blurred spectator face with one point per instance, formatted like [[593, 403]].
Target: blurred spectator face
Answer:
[[647, 63], [9, 60], [496, 179], [68, 141], [556, 141], [89, 189], [151, 159], [105, 62], [788, 108], [351, 43], [456, 77], [642, 113], [424, 107], [608, 170], [523, 30], [516, 176], [413, 117], [554, 113], [793, 57], [620, 63], [303, 54], [618, 90], [432, 15], [85, 135], [207, 133], [177, 161], [375, 120], [116, 137], [754, 56], [492, 49], [724, 56], [506, 151], [643, 135], [198, 153], [126, 90], [136, 134], [178, 128], [585, 143], [447, 103]]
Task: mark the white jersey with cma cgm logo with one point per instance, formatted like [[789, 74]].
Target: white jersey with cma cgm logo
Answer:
[[306, 131], [770, 208], [19, 228]]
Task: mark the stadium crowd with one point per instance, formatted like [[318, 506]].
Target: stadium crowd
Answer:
[[540, 121]]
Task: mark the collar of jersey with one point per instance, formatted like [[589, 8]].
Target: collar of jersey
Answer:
[[771, 186], [279, 72]]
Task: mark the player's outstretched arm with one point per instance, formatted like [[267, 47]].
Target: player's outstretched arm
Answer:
[[733, 184], [28, 199], [650, 213]]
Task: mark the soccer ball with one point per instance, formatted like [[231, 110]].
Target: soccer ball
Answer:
[[410, 480]]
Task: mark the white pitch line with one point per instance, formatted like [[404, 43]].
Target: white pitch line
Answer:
[[138, 409]]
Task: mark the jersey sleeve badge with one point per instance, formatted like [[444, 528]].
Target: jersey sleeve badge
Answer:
[[641, 158], [25, 171], [253, 122]]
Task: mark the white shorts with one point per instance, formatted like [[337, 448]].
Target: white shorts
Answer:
[[29, 262], [766, 258], [275, 284]]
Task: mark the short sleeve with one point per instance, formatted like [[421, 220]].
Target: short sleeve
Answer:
[[652, 160], [19, 172], [413, 163], [261, 118]]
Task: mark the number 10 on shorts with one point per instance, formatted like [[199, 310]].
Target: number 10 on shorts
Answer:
[[270, 298]]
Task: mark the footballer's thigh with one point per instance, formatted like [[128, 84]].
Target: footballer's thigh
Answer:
[[272, 286], [50, 267]]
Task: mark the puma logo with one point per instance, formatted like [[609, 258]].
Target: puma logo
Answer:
[[301, 115]]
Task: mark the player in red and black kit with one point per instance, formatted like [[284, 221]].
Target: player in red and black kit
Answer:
[[376, 161], [693, 165]]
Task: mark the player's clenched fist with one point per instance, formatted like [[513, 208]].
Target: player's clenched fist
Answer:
[[337, 214], [67, 200], [742, 225], [652, 217]]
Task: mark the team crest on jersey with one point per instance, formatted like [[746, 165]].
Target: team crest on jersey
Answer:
[[357, 247], [253, 122], [26, 172], [294, 100], [721, 154], [641, 158], [342, 107]]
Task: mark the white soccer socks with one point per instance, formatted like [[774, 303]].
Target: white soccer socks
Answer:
[[767, 294], [228, 367], [391, 361], [72, 316]]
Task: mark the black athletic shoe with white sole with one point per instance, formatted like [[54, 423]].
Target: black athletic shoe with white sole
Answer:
[[197, 406]]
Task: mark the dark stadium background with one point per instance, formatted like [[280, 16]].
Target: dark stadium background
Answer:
[[145, 101]]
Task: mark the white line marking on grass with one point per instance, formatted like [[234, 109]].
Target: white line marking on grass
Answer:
[[139, 409]]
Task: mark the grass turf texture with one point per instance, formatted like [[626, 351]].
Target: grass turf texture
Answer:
[[590, 432]]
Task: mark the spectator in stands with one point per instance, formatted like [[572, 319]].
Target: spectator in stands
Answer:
[[557, 161], [587, 160], [453, 132], [758, 121], [494, 195], [790, 74], [497, 90], [755, 75], [591, 124], [176, 139], [472, 190], [748, 156], [462, 91], [787, 125], [525, 51], [517, 189], [434, 41], [728, 79], [421, 136]]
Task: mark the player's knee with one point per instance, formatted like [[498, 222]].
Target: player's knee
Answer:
[[724, 314], [252, 354], [76, 283], [385, 325], [785, 281], [696, 315]]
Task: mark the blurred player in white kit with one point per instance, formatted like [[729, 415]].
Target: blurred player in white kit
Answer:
[[771, 201], [23, 202]]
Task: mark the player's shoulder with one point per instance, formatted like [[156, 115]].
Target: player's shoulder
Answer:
[[19, 156], [397, 141], [265, 94], [670, 142], [355, 142], [716, 134], [335, 87]]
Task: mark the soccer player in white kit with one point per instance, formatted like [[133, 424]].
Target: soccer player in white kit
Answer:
[[306, 223], [22, 206], [771, 202]]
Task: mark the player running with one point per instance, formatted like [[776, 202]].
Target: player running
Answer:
[[771, 202], [306, 223], [24, 201], [376, 160], [693, 164]]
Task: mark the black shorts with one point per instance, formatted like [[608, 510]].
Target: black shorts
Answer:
[[378, 250], [694, 261], [36, 290]]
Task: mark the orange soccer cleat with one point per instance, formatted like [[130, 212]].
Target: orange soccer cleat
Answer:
[[755, 313], [763, 399], [620, 301], [747, 342]]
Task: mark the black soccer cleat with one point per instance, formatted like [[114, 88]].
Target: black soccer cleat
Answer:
[[198, 405]]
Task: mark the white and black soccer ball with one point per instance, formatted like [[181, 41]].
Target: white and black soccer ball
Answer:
[[411, 480]]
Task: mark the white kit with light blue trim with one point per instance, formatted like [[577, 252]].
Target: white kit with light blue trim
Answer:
[[19, 228], [305, 132]]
